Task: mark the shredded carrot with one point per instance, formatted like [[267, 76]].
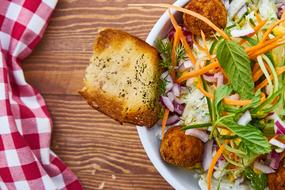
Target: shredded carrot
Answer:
[[258, 17], [269, 30], [197, 43], [263, 97], [189, 12], [187, 75], [261, 45], [259, 73], [255, 68], [236, 102], [164, 121], [279, 71], [187, 49], [202, 90], [205, 45], [175, 43], [266, 49], [213, 163]]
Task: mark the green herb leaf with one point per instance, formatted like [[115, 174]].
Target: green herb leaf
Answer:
[[236, 64], [252, 138], [257, 181], [220, 93], [164, 48]]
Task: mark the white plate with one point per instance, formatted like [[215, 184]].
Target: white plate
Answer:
[[178, 178]]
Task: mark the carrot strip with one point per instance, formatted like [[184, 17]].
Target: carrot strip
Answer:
[[279, 71], [197, 43], [269, 30], [266, 49], [263, 98], [189, 12], [213, 163], [187, 75], [255, 68], [258, 17], [259, 73], [236, 102], [205, 45], [187, 49], [164, 121], [262, 45], [203, 91], [175, 43]]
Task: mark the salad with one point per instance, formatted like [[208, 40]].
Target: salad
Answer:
[[226, 89]]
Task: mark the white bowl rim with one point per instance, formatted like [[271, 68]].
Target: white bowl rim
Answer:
[[142, 131]]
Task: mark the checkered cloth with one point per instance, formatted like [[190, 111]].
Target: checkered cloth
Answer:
[[26, 161]]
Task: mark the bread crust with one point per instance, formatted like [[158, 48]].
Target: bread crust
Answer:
[[127, 107]]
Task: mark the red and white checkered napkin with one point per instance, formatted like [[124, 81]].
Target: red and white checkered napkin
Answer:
[[26, 161]]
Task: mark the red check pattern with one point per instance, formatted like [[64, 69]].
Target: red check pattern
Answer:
[[26, 161]]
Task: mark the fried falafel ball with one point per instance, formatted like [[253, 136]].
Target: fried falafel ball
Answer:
[[181, 150], [214, 10], [276, 181]]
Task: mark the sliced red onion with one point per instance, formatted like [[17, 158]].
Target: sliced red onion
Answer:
[[202, 135], [173, 120], [164, 75], [178, 101], [280, 10], [220, 79], [277, 143], [209, 78], [169, 83], [167, 103], [234, 97], [171, 34], [176, 90], [263, 168], [188, 36], [245, 119], [185, 65], [179, 108], [171, 96], [207, 156], [279, 126], [242, 11], [275, 160]]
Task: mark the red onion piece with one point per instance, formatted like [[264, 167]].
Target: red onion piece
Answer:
[[240, 33], [220, 79], [275, 160], [277, 143], [263, 168], [280, 129], [202, 135], [179, 108], [169, 83], [209, 78], [164, 75], [172, 120], [178, 101], [185, 65], [167, 103], [280, 10], [245, 119], [171, 96], [207, 156], [176, 90], [190, 82]]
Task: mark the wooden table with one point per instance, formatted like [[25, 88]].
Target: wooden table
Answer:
[[103, 154]]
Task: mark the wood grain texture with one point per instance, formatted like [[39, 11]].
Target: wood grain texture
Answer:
[[102, 153]]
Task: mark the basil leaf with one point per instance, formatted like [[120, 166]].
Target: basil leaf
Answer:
[[252, 138], [236, 64], [220, 93], [257, 181]]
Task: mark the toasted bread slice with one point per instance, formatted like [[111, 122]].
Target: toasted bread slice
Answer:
[[122, 78]]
